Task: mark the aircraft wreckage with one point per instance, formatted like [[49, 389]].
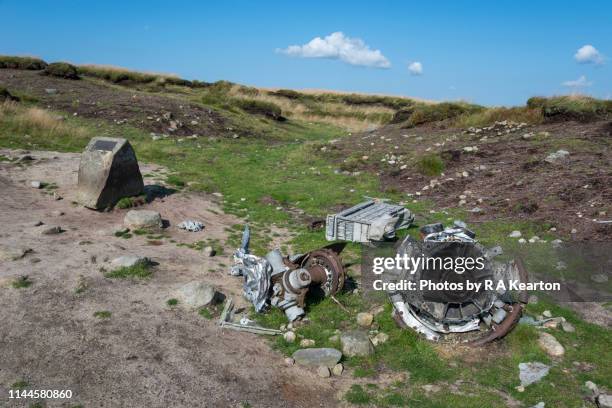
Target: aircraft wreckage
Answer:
[[285, 281]]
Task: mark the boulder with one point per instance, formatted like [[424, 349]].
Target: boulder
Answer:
[[108, 172], [142, 219], [365, 319], [316, 357], [356, 343], [604, 401], [197, 294]]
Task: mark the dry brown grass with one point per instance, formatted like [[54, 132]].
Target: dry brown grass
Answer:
[[36, 121]]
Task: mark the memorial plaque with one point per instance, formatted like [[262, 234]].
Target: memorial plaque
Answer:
[[108, 172], [107, 145]]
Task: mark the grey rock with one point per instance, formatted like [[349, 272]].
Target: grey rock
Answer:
[[128, 261], [599, 278], [307, 343], [592, 386], [604, 401], [338, 369], [380, 338], [557, 156], [323, 372], [532, 372], [540, 404], [550, 345], [209, 251], [52, 231], [197, 294], [547, 313], [289, 336], [108, 172], [568, 327], [356, 343], [50, 91], [142, 219], [315, 357], [515, 234], [36, 184]]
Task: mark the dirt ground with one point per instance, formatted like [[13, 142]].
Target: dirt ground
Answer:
[[507, 178], [146, 354]]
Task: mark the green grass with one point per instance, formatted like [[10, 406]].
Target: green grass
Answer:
[[62, 70], [172, 302], [139, 271], [21, 282], [102, 314], [572, 107], [206, 313], [430, 165], [14, 62], [125, 202], [19, 385]]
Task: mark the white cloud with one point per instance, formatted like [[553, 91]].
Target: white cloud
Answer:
[[587, 54], [578, 83], [415, 68], [338, 46]]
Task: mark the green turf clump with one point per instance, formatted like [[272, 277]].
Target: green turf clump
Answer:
[[141, 270], [30, 63], [430, 165], [62, 70]]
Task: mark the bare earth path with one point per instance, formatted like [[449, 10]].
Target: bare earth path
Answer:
[[146, 354]]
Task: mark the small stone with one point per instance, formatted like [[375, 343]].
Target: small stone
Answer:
[[380, 338], [36, 184], [52, 231], [592, 386], [431, 388], [356, 343], [338, 369], [515, 234], [532, 372], [142, 219], [520, 388], [547, 314], [574, 231], [522, 241], [289, 361], [568, 327], [129, 261], [209, 251], [315, 357], [540, 404], [551, 324], [334, 339], [323, 372], [559, 155], [197, 294], [365, 319], [599, 278], [289, 337], [550, 345], [604, 401], [57, 213], [307, 343]]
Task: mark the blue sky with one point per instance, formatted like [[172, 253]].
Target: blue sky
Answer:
[[494, 53]]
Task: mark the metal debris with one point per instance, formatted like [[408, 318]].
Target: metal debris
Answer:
[[245, 324], [435, 316], [191, 225], [284, 281], [372, 220]]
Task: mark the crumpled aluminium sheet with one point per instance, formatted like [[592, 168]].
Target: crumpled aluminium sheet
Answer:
[[256, 272], [191, 225]]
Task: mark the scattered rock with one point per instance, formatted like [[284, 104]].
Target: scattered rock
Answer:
[[550, 345], [522, 241], [315, 357], [52, 231], [532, 372], [36, 184], [599, 278], [289, 337], [364, 319], [289, 361], [338, 369], [128, 261], [604, 401], [380, 338], [323, 372], [568, 327], [145, 219], [557, 156], [547, 313], [209, 251], [356, 343], [515, 234], [307, 343], [197, 294]]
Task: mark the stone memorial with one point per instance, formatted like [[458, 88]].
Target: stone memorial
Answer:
[[108, 172]]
